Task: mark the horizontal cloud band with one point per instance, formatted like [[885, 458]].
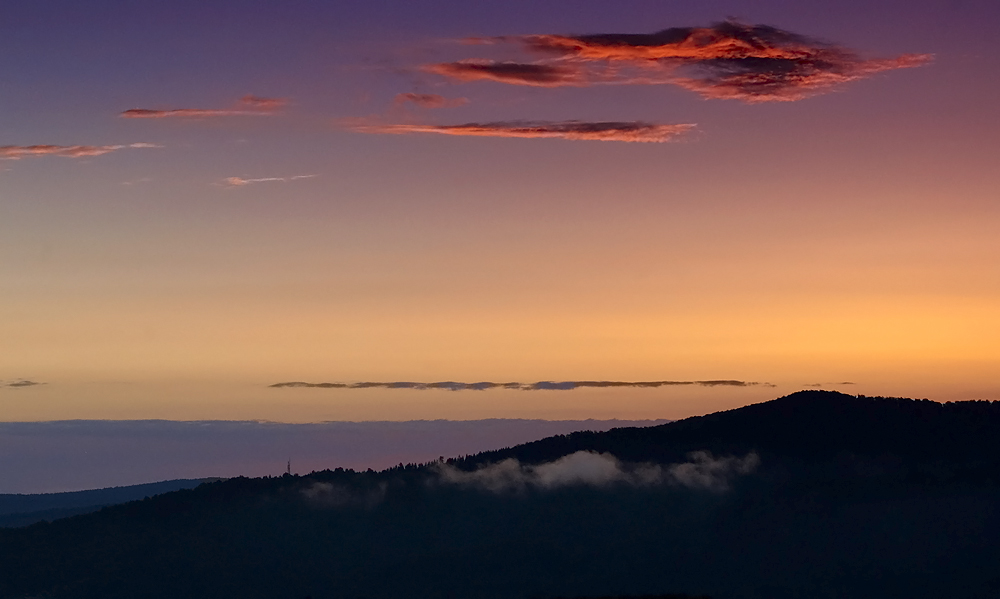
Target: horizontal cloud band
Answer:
[[19, 384], [539, 386], [629, 131], [18, 152], [247, 106], [240, 182]]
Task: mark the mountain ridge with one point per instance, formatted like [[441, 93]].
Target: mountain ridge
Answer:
[[818, 422]]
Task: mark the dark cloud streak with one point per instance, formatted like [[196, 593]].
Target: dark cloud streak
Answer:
[[628, 131], [20, 384], [539, 386]]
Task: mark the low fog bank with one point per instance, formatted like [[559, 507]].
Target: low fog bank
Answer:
[[50, 457], [701, 471]]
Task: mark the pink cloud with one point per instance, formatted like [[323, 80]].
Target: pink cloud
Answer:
[[539, 75], [248, 105], [633, 131], [240, 182], [429, 100], [18, 152]]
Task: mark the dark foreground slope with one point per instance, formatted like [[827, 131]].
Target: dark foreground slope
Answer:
[[20, 509], [850, 497]]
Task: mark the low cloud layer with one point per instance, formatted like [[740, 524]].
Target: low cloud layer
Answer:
[[241, 182], [631, 131], [19, 152], [429, 100], [539, 386], [588, 468], [731, 60], [246, 106]]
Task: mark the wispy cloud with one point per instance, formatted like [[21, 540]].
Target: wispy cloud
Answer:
[[429, 100], [19, 384], [629, 131], [540, 75], [252, 101], [248, 105], [589, 468], [241, 182], [19, 152], [539, 386], [753, 63]]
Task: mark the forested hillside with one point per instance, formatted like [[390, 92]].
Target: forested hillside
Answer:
[[812, 495]]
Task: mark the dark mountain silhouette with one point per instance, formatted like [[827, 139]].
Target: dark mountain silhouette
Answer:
[[22, 509], [814, 425], [816, 494]]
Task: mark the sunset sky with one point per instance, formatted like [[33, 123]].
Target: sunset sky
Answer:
[[200, 200]]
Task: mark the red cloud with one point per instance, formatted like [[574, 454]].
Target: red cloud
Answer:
[[779, 86], [541, 75], [430, 100], [634, 131], [753, 63], [248, 105], [18, 152]]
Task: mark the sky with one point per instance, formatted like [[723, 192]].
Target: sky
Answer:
[[200, 201]]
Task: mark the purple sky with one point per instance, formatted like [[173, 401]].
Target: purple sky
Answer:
[[50, 457]]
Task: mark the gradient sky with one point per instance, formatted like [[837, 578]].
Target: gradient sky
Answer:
[[288, 209]]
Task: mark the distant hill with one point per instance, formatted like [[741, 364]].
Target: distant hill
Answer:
[[23, 509], [813, 495], [814, 425]]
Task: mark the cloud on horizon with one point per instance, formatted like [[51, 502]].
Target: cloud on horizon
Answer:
[[429, 100], [19, 384], [539, 386], [19, 152], [728, 60], [589, 468], [818, 385], [628, 131], [241, 182], [248, 105]]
